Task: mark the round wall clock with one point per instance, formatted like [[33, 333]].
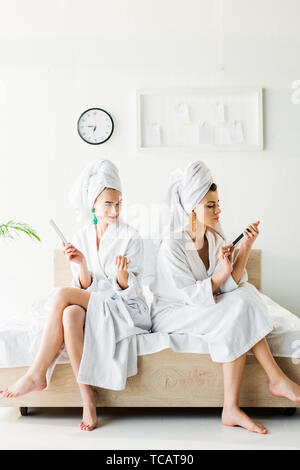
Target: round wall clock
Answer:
[[95, 126]]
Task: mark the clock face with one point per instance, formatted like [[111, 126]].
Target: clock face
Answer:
[[95, 126]]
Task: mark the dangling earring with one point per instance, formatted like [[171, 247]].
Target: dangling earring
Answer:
[[95, 220], [194, 220]]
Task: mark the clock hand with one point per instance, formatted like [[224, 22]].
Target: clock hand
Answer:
[[95, 127]]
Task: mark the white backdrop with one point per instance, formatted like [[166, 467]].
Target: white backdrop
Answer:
[[58, 58]]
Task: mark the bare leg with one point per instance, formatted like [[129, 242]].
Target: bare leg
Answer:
[[73, 323], [35, 377], [279, 384], [232, 415]]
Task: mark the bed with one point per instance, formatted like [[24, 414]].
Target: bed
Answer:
[[166, 377]]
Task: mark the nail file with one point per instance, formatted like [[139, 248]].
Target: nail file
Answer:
[[239, 237], [59, 233]]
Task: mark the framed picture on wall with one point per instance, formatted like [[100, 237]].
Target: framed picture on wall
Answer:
[[216, 119]]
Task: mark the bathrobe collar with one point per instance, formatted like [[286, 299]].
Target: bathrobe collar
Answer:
[[99, 258], [197, 264]]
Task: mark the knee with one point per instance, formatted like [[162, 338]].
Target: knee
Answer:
[[62, 295], [73, 317]]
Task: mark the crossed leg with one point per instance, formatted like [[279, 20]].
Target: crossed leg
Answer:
[[52, 339]]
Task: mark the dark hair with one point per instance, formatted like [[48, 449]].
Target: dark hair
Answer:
[[213, 187]]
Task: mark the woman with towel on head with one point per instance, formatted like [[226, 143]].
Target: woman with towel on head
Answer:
[[99, 317], [201, 291]]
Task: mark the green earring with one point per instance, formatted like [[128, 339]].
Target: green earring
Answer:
[[95, 220]]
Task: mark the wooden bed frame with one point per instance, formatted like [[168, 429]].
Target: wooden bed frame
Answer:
[[164, 379]]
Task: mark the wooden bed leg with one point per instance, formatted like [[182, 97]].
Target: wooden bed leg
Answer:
[[24, 410], [289, 411]]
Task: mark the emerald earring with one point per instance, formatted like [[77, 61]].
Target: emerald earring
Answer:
[[95, 220]]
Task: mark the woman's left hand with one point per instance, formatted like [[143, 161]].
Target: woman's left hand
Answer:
[[121, 263], [250, 237]]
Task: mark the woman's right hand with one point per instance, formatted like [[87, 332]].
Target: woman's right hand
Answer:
[[73, 254], [225, 257]]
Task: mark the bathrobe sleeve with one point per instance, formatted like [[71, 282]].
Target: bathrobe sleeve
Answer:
[[191, 290], [76, 269], [134, 252]]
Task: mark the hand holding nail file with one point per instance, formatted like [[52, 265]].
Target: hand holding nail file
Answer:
[[239, 237], [59, 233], [253, 231]]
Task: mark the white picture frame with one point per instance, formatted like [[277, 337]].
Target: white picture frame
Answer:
[[169, 119]]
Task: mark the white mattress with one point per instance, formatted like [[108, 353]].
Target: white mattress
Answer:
[[20, 337]]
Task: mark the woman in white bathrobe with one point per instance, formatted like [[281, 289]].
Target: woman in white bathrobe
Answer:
[[199, 290], [98, 318]]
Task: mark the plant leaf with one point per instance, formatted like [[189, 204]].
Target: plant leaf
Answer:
[[12, 228]]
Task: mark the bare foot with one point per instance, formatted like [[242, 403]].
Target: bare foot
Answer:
[[234, 416], [27, 383], [286, 388], [89, 416]]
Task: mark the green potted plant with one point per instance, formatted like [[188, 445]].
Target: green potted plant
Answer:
[[12, 229]]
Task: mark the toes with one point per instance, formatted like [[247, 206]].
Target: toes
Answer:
[[8, 394], [260, 428], [86, 427], [83, 426], [264, 431]]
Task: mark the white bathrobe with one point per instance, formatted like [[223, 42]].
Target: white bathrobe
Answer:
[[231, 320], [114, 315]]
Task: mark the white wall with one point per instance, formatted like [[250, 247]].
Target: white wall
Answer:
[[57, 58]]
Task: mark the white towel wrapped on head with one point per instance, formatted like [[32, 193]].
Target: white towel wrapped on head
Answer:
[[186, 189], [94, 178]]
